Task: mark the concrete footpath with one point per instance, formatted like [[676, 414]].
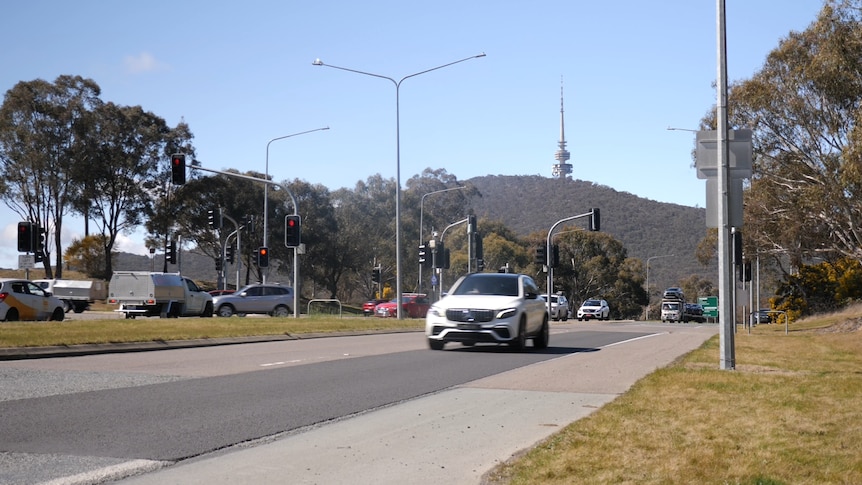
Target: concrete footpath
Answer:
[[453, 437]]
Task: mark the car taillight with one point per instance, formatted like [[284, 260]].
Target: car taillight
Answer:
[[3, 295]]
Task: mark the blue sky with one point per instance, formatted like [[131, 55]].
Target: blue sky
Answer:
[[241, 74]]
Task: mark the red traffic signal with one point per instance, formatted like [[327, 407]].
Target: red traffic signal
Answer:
[[25, 237], [292, 231], [178, 169], [263, 257]]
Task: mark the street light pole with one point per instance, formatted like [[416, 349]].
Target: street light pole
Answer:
[[266, 191], [421, 213], [649, 299], [318, 62]]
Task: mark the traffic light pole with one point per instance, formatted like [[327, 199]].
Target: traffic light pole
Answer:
[[549, 253], [442, 235], [295, 212]]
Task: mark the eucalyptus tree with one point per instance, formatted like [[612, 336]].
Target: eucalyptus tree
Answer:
[[596, 265], [804, 107], [327, 259], [43, 131], [130, 149], [366, 232]]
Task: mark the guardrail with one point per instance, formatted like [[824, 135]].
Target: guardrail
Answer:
[[330, 300]]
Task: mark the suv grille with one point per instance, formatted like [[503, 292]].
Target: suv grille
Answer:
[[468, 315]]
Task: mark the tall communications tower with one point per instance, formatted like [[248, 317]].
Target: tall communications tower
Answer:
[[562, 169]]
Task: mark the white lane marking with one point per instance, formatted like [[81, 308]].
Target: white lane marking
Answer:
[[270, 364], [634, 339]]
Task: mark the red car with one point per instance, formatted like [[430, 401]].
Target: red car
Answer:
[[413, 305], [369, 306]]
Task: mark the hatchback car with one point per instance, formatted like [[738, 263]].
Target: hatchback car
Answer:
[[270, 299], [369, 306], [489, 307], [594, 309], [25, 300], [413, 305], [559, 307]]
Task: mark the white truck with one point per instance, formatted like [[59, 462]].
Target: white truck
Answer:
[[673, 305], [158, 294], [76, 295]]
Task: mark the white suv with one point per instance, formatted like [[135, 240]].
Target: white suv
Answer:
[[594, 308], [559, 307], [489, 307]]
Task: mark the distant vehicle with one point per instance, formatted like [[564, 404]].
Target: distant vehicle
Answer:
[[166, 295], [489, 307], [221, 292], [413, 305], [672, 310], [559, 307], [271, 299], [25, 300], [369, 306], [693, 312], [76, 295], [594, 309], [762, 316], [673, 293]]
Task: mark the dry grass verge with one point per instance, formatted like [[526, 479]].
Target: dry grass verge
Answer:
[[789, 413]]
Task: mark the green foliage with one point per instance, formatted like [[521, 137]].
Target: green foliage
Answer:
[[87, 256], [820, 288]]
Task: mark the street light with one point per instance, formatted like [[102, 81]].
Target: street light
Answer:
[[266, 192], [318, 62], [649, 299], [421, 213]]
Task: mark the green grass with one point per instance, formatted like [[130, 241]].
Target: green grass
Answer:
[[76, 332], [791, 413]]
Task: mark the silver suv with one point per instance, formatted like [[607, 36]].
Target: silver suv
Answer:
[[489, 307], [559, 307], [272, 299]]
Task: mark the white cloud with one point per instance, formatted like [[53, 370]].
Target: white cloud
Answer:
[[143, 62]]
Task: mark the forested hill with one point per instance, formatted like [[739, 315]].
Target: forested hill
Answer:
[[530, 203]]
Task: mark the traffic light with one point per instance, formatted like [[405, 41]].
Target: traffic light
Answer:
[[249, 223], [231, 254], [555, 256], [480, 265], [39, 244], [745, 273], [595, 220], [292, 231], [375, 275], [263, 257], [171, 252], [541, 256], [218, 264], [214, 218], [25, 237], [440, 255], [424, 257], [178, 169]]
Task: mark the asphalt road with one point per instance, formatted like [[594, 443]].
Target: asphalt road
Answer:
[[358, 409]]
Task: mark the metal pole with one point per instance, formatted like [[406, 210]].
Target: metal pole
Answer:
[[318, 62], [266, 189], [725, 275]]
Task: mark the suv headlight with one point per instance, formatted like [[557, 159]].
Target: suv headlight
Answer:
[[508, 312], [436, 312]]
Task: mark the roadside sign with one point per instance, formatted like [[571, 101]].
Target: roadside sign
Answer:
[[710, 306], [26, 261]]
